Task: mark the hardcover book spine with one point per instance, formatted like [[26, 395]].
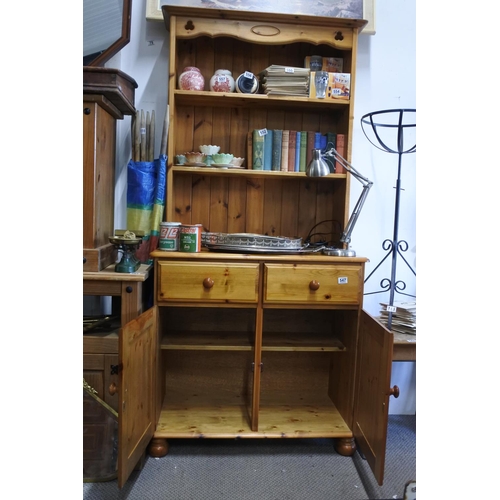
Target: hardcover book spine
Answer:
[[303, 151], [277, 138], [250, 149], [268, 150], [310, 146], [297, 152], [331, 141], [339, 169], [292, 148], [285, 146], [257, 150]]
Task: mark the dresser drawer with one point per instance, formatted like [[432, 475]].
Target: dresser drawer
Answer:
[[313, 284], [208, 282]]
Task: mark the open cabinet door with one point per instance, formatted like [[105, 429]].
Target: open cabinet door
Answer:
[[371, 405], [136, 421]]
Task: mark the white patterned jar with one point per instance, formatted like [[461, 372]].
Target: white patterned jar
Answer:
[[191, 79], [222, 81]]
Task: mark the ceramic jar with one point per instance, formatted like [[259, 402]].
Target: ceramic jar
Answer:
[[222, 81], [247, 83], [191, 79]]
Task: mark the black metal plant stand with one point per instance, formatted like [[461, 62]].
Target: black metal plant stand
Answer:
[[378, 123]]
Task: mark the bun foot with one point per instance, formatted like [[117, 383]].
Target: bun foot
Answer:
[[158, 447], [345, 446]]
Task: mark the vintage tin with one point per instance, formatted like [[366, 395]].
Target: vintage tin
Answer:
[[169, 236], [190, 238]]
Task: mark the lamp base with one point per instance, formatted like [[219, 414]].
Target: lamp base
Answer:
[[339, 252]]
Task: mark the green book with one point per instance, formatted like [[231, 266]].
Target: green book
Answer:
[[277, 140], [303, 151], [268, 150], [257, 150]]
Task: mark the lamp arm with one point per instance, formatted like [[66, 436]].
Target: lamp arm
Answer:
[[365, 182], [346, 235]]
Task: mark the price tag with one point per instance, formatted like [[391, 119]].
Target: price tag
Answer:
[[392, 309], [222, 78], [263, 131], [342, 280], [336, 91], [289, 70], [248, 74]]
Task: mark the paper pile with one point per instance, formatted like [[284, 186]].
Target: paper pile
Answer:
[[404, 316], [285, 80]]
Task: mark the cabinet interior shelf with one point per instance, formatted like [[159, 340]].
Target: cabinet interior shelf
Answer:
[[230, 341], [193, 418], [232, 99]]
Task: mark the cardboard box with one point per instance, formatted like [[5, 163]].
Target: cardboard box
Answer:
[[339, 86], [330, 64]]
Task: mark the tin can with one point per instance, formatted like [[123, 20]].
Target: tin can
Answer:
[[190, 238], [169, 236]]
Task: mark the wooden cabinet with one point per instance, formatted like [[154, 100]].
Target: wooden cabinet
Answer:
[[254, 345]]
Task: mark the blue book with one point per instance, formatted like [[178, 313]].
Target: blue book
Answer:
[[317, 140], [268, 150], [297, 153]]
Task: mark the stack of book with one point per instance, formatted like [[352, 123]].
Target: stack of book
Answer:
[[291, 150], [404, 316], [285, 80]]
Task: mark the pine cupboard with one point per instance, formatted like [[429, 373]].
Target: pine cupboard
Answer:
[[254, 345]]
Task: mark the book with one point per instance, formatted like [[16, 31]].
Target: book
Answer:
[[330, 64], [297, 152], [277, 138], [268, 150], [292, 149], [331, 142], [303, 151], [339, 169], [250, 149], [257, 150], [310, 146], [317, 140], [285, 144]]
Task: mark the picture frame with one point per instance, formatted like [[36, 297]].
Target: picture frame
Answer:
[[154, 13]]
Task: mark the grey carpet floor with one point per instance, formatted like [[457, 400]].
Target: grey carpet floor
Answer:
[[273, 469]]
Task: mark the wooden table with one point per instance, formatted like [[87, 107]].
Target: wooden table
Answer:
[[128, 286], [405, 347]]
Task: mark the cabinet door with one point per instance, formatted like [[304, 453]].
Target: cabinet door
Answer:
[[137, 421], [371, 399]]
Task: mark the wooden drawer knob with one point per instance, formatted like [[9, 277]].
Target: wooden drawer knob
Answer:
[[394, 391], [208, 283], [113, 389], [314, 285]]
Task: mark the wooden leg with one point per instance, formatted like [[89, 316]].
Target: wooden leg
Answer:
[[345, 446], [158, 447]]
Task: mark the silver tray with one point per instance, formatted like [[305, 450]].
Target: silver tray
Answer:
[[245, 242], [250, 249]]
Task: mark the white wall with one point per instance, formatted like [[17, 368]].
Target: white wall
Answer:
[[386, 79]]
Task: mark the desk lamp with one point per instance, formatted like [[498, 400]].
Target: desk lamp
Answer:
[[319, 168]]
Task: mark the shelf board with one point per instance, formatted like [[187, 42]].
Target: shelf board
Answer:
[[300, 342], [207, 341], [191, 418], [252, 173], [237, 341], [235, 99]]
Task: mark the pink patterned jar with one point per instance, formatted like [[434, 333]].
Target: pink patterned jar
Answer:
[[191, 79], [222, 81]]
